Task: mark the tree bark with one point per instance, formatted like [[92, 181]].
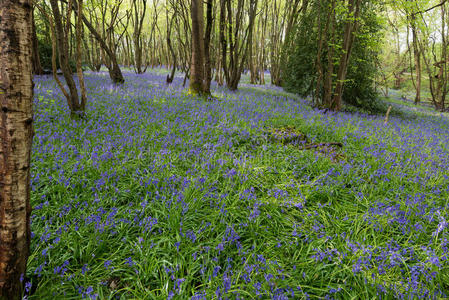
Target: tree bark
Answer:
[[235, 38], [417, 57], [63, 55], [37, 67], [171, 76], [318, 64], [16, 133], [327, 85], [197, 60], [79, 67], [348, 40], [114, 69], [207, 43], [139, 16]]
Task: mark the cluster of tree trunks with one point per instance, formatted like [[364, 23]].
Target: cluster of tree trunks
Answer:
[[435, 61], [60, 42], [235, 40], [330, 82], [139, 8], [237, 36]]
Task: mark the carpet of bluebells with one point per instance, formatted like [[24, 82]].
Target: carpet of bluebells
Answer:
[[160, 195]]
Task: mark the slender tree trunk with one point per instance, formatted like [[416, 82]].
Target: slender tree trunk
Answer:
[[63, 55], [207, 43], [114, 69], [262, 54], [417, 57], [95, 52], [16, 133], [89, 54], [139, 16], [171, 76], [127, 55], [223, 40], [197, 62], [235, 38], [318, 64], [219, 72], [275, 44], [79, 67], [252, 69], [37, 67], [442, 79], [418, 78], [330, 56], [348, 40]]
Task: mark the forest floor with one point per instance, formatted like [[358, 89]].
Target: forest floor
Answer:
[[158, 195]]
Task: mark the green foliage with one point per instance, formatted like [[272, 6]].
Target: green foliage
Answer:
[[45, 53], [300, 72], [359, 89], [45, 46]]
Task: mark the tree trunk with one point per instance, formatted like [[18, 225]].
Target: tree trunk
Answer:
[[37, 67], [197, 62], [139, 16], [79, 67], [16, 133], [171, 76], [418, 78], [114, 69], [262, 54], [235, 38], [417, 57], [348, 40], [63, 55], [219, 72], [115, 73], [252, 69], [326, 102], [318, 64], [207, 42]]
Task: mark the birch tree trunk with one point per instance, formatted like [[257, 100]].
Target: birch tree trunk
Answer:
[[16, 133]]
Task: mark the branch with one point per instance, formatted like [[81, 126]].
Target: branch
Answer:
[[429, 9]]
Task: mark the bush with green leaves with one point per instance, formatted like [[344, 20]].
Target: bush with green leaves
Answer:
[[45, 53], [299, 70]]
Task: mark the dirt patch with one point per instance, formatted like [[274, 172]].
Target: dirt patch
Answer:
[[291, 135], [287, 135]]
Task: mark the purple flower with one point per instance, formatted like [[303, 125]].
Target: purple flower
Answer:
[[107, 263]]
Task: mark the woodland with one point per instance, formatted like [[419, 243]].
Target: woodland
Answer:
[[224, 149]]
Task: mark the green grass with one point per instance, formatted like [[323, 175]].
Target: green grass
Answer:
[[159, 195]]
